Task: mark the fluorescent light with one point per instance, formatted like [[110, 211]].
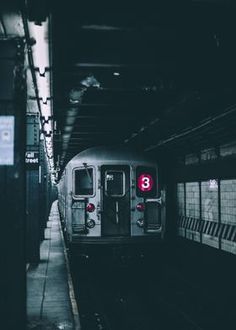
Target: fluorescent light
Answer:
[[46, 109], [43, 87], [47, 127], [41, 48], [40, 53]]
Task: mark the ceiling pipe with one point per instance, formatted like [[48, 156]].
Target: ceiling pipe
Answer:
[[158, 120], [206, 123]]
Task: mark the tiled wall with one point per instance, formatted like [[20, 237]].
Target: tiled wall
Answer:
[[209, 200], [181, 199], [228, 201], [192, 200], [207, 212]]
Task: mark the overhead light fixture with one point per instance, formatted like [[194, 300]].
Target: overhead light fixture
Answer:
[[44, 88], [42, 71], [46, 108], [41, 49], [44, 99], [39, 35]]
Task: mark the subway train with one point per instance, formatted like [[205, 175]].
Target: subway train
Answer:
[[111, 196]]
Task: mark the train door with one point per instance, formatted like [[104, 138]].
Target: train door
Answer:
[[115, 217]]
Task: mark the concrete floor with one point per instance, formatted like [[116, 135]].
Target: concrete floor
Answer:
[[50, 302]]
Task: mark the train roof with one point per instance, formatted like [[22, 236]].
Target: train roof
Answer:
[[97, 155]]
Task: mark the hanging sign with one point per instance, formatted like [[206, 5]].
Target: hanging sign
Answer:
[[7, 140]]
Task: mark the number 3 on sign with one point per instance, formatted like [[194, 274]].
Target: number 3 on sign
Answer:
[[145, 182]]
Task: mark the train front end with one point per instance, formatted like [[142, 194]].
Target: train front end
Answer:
[[116, 205]]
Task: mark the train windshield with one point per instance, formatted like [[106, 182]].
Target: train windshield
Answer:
[[83, 182], [146, 181]]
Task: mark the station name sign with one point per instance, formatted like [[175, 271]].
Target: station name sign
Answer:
[[32, 159]]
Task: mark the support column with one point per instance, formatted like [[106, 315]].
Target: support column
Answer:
[[12, 185], [32, 191]]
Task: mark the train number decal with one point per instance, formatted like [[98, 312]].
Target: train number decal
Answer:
[[145, 182]]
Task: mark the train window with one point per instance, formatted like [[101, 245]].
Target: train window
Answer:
[[146, 181], [83, 182], [115, 183]]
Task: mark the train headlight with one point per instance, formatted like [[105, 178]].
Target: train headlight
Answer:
[[140, 223], [90, 207], [140, 207], [90, 223]]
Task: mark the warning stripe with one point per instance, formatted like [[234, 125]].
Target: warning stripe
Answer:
[[233, 237], [212, 228], [215, 228]]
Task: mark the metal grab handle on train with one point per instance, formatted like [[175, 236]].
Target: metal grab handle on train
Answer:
[[101, 198], [117, 212]]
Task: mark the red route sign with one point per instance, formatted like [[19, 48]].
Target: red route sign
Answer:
[[145, 182]]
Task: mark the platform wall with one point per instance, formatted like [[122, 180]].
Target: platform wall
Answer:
[[206, 198]]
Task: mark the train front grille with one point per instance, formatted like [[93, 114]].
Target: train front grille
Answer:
[[152, 216], [77, 228], [78, 217]]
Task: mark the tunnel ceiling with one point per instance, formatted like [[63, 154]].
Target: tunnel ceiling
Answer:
[[152, 76], [160, 79]]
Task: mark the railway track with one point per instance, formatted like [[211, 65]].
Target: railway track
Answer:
[[126, 295]]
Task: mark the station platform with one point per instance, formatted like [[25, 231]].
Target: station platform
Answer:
[[50, 297]]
